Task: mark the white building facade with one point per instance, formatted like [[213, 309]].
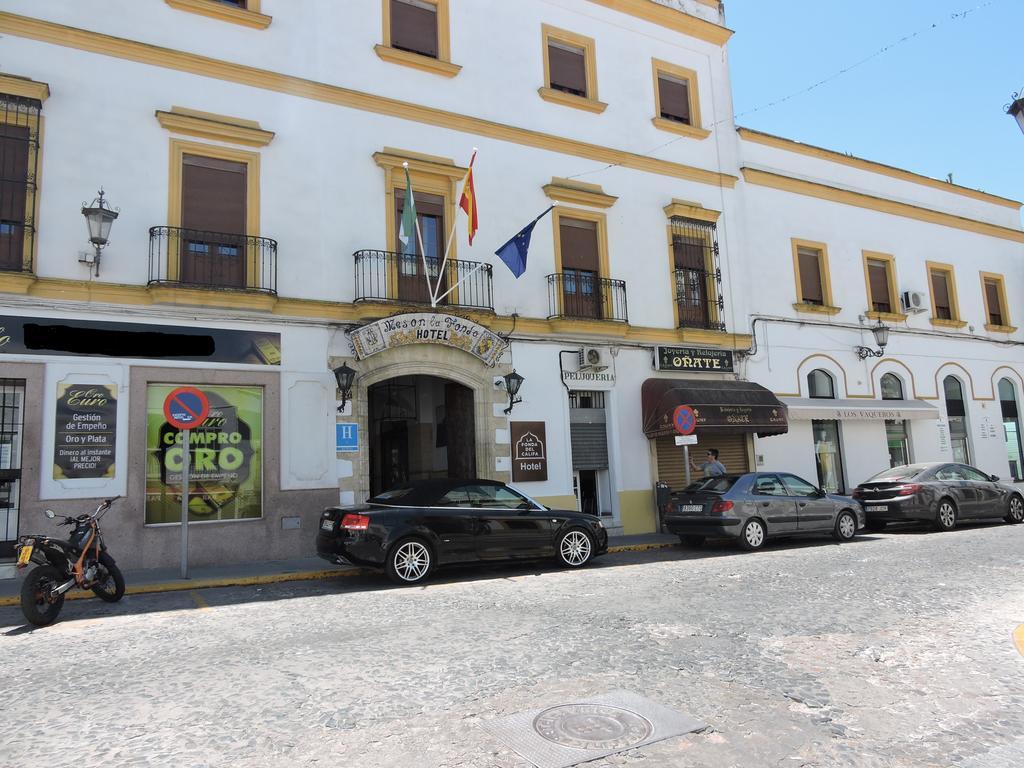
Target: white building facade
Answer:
[[257, 151]]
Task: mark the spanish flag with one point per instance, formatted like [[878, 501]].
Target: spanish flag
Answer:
[[468, 200]]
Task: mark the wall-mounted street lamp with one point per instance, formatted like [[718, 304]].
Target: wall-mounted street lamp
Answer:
[[99, 216], [513, 381], [1016, 109], [345, 376], [881, 334]]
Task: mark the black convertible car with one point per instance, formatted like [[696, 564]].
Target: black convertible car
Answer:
[[408, 531]]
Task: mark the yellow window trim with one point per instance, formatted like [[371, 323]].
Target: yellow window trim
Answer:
[[589, 47], [444, 39], [709, 268], [178, 150], [249, 16], [695, 129], [880, 204], [28, 89], [672, 18], [602, 251], [817, 309], [1000, 281], [253, 77], [954, 302], [578, 192], [890, 274], [767, 139], [24, 87], [417, 61], [206, 125], [691, 210], [826, 276]]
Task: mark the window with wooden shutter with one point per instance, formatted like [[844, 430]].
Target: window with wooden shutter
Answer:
[[19, 152], [567, 67], [674, 98], [213, 221], [810, 276], [412, 285], [580, 267], [878, 282], [993, 301], [414, 27], [940, 295]]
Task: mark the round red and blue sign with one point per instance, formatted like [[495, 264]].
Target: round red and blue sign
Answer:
[[186, 408], [684, 420]]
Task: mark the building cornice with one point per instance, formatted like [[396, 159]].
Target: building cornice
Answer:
[[246, 17], [145, 53], [578, 193], [671, 18], [22, 86], [767, 139], [206, 125], [880, 204]]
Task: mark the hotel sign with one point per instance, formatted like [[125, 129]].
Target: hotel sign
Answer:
[[428, 328], [529, 451], [693, 359]]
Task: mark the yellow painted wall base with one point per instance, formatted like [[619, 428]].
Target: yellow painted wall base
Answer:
[[557, 502], [637, 512], [1018, 639]]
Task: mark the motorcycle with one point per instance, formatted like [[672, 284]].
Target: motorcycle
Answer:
[[81, 561]]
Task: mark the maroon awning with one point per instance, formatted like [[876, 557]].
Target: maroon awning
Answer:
[[725, 407]]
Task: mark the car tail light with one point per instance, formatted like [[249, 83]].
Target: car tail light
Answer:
[[355, 522], [721, 507], [908, 489]]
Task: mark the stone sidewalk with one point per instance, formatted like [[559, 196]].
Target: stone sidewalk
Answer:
[[149, 580]]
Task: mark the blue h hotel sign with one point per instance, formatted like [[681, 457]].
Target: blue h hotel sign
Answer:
[[346, 437]]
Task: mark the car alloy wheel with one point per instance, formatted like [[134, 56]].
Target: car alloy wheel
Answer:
[[410, 562], [946, 519], [1016, 513], [575, 548], [846, 526], [753, 535]]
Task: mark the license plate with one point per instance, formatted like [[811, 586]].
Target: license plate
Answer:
[[327, 525], [25, 554], [877, 508], [691, 508]]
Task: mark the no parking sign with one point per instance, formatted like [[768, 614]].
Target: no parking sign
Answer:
[[186, 408], [684, 420]]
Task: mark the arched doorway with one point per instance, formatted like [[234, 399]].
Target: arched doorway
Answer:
[[420, 427]]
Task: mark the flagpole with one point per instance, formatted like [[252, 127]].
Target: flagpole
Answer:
[[419, 236], [451, 238], [463, 279]]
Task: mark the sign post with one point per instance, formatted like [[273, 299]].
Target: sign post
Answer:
[[185, 408], [685, 422]]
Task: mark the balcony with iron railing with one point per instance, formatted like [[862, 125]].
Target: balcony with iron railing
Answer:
[[699, 299], [584, 296], [388, 276], [212, 260]]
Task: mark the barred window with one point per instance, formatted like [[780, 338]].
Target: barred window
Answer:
[[19, 153], [698, 279]]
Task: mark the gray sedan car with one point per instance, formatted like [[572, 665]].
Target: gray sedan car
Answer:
[[941, 493], [759, 505]]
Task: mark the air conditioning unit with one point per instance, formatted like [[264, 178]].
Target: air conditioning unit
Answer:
[[592, 359], [914, 301]]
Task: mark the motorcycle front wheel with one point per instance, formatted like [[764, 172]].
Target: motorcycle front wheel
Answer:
[[111, 589], [36, 602]]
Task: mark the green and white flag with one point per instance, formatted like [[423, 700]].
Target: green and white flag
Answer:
[[407, 230]]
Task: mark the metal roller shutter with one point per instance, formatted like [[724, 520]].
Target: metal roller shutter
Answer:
[[589, 446], [732, 451]]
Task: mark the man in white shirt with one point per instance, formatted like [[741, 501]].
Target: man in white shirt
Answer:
[[712, 467]]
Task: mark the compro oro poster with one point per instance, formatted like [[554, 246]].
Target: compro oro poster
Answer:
[[226, 474]]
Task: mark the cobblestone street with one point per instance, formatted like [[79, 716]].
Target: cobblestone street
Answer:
[[893, 650]]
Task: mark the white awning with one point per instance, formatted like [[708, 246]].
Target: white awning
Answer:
[[852, 409]]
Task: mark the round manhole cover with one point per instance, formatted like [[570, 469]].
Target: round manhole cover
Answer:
[[592, 726]]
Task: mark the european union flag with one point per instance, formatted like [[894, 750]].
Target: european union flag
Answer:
[[514, 252]]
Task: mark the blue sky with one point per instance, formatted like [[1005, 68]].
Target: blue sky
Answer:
[[933, 105]]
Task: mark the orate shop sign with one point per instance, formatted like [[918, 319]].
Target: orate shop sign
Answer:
[[428, 328], [694, 359]]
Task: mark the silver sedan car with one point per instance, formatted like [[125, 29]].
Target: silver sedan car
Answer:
[[757, 506]]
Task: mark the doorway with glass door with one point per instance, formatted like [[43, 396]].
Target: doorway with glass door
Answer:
[[12, 418], [589, 438]]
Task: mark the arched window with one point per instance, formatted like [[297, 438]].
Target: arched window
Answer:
[[956, 412], [892, 387], [820, 384], [1011, 426]]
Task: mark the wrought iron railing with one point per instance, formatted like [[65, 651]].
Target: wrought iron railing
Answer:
[[398, 277], [19, 160], [201, 259], [698, 277], [583, 295]]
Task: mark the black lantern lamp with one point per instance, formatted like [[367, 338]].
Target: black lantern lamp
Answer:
[[881, 334], [99, 216], [513, 381], [1016, 109], [344, 375]]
